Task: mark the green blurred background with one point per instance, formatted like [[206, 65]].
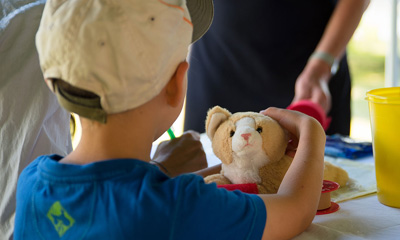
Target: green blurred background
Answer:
[[366, 55]]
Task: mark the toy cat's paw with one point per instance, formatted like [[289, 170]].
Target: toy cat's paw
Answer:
[[218, 179]]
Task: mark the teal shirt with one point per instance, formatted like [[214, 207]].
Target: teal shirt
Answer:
[[129, 199]]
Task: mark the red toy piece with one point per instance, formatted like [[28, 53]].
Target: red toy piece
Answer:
[[330, 207], [246, 187], [311, 109]]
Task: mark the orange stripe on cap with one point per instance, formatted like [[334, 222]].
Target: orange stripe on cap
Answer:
[[188, 21], [177, 7]]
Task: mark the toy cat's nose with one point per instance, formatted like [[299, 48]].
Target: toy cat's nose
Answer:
[[246, 136]]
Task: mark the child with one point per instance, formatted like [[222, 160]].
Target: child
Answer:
[[121, 66]]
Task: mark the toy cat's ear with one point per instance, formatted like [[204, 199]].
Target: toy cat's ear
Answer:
[[215, 117]]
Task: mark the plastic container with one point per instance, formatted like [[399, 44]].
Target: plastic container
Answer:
[[384, 111]]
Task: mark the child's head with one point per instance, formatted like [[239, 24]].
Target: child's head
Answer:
[[103, 57]]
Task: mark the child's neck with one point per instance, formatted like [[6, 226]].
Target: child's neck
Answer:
[[121, 137]]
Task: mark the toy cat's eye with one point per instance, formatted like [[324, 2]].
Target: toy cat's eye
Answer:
[[259, 130], [232, 133]]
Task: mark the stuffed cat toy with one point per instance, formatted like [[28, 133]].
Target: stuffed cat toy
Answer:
[[251, 147]]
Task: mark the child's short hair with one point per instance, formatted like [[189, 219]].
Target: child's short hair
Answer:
[[123, 52]]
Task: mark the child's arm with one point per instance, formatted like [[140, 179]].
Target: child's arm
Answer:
[[292, 209]]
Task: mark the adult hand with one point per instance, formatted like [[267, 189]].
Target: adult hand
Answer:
[[181, 155], [312, 84]]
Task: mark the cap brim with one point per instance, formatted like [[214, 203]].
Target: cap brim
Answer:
[[83, 106], [201, 14]]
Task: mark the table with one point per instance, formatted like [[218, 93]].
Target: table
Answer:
[[361, 215], [360, 218]]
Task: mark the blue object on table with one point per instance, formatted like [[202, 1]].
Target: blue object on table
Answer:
[[345, 147]]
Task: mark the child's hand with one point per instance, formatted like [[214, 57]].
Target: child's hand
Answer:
[[181, 155], [296, 124], [293, 139]]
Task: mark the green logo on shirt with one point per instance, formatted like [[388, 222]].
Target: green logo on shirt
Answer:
[[60, 218]]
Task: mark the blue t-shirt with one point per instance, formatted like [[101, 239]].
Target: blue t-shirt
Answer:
[[129, 199]]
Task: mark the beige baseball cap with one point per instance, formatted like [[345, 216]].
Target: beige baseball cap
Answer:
[[123, 51]]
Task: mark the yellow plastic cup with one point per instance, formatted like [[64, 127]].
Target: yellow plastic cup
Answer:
[[384, 112]]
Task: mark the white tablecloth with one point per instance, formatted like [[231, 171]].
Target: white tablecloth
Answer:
[[361, 215], [360, 218]]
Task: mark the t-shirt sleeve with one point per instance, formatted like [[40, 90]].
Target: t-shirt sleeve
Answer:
[[204, 211]]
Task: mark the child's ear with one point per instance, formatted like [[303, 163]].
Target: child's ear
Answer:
[[176, 87]]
